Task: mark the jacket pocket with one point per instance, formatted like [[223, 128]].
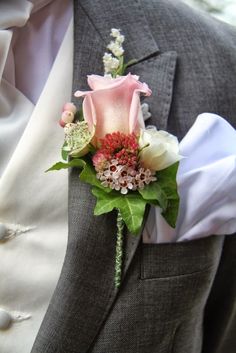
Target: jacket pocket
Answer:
[[180, 259], [176, 279]]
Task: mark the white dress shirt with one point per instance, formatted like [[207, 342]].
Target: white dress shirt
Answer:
[[206, 185], [28, 50]]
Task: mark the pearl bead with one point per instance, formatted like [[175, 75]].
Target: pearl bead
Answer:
[[3, 231], [67, 116], [70, 106], [5, 320]]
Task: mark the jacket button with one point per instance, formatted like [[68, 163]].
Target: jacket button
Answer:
[[5, 320], [3, 231]]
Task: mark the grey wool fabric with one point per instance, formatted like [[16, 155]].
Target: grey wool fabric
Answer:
[[174, 298]]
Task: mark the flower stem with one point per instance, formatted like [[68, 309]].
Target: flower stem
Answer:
[[119, 250]]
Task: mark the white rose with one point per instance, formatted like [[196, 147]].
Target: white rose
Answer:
[[159, 149]]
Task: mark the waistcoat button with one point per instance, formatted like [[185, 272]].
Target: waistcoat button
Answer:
[[5, 319]]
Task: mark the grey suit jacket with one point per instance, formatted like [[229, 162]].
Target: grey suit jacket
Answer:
[[174, 298]]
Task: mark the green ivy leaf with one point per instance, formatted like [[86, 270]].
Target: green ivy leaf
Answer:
[[64, 155], [171, 212], [64, 152], [131, 206], [163, 192], [167, 181], [154, 194], [88, 175], [61, 165]]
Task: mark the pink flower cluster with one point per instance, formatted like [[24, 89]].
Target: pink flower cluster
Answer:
[[119, 146], [117, 163]]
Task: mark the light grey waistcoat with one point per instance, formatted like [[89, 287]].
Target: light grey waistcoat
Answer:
[[174, 298]]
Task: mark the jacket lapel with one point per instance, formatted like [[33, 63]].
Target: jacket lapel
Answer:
[[91, 246], [158, 72], [129, 17], [93, 23]]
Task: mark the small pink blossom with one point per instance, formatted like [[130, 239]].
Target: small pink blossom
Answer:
[[99, 161], [123, 178]]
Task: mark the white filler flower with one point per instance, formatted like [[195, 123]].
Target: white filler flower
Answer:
[[110, 63], [115, 46]]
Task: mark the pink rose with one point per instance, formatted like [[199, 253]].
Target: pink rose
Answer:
[[113, 104]]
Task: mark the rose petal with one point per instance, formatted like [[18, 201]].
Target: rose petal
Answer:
[[114, 104], [89, 111]]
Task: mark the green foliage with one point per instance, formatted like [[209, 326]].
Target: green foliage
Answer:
[[79, 163], [88, 175], [131, 207], [162, 193], [64, 152], [167, 180], [154, 194], [120, 71]]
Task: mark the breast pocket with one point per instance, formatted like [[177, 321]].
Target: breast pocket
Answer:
[[178, 277], [180, 259]]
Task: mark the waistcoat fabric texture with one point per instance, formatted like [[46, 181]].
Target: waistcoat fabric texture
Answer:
[[177, 297], [31, 261]]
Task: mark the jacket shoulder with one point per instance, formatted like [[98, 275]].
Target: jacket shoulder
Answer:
[[206, 61], [175, 23]]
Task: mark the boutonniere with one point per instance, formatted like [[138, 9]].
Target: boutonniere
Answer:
[[129, 166]]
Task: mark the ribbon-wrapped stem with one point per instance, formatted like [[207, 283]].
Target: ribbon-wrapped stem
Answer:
[[119, 250]]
